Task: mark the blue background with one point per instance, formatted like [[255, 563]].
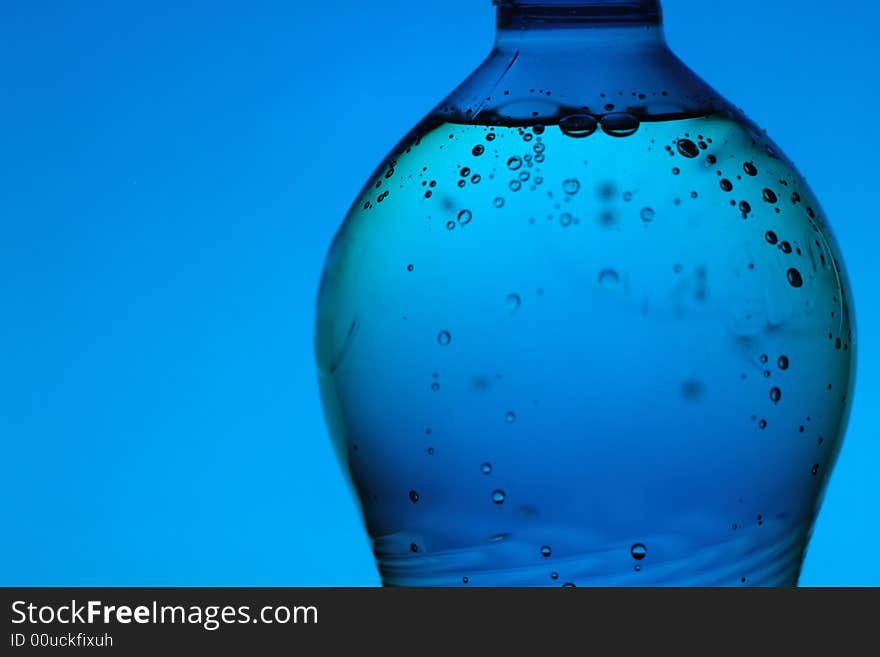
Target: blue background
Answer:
[[170, 178]]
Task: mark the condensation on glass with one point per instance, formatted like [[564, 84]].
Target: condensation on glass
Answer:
[[586, 325]]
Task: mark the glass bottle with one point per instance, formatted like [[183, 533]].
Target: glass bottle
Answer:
[[586, 325]]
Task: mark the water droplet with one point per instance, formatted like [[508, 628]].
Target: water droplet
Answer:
[[498, 202], [688, 148], [726, 185], [498, 496], [546, 551], [486, 468], [444, 338], [647, 214], [464, 217], [571, 186], [638, 551], [782, 362], [510, 417], [619, 124], [608, 278], [770, 236], [512, 302], [794, 277], [775, 395], [514, 163], [578, 125], [413, 496], [750, 169]]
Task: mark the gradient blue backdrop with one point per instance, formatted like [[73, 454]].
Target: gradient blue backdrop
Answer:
[[170, 178]]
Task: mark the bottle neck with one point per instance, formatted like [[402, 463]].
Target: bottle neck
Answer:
[[573, 14]]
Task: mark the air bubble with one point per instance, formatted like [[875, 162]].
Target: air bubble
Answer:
[[512, 302], [794, 277], [498, 202], [464, 217], [782, 362], [546, 551], [498, 496], [771, 237], [486, 468], [514, 163], [578, 125], [478, 150], [638, 551], [769, 195], [413, 496], [571, 186], [762, 424], [775, 395], [510, 417], [726, 185], [444, 338], [608, 278], [647, 214], [750, 169], [688, 148], [619, 124]]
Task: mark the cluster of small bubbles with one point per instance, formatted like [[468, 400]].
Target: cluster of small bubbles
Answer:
[[413, 496], [794, 277], [638, 551], [688, 148], [578, 125], [498, 202], [546, 551], [464, 217], [608, 278], [486, 468], [571, 186], [498, 496], [510, 417], [775, 395], [514, 163], [444, 338], [647, 214]]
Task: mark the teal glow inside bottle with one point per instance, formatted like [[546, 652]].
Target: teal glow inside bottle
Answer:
[[586, 325]]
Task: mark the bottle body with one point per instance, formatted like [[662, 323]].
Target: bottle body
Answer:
[[562, 346]]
